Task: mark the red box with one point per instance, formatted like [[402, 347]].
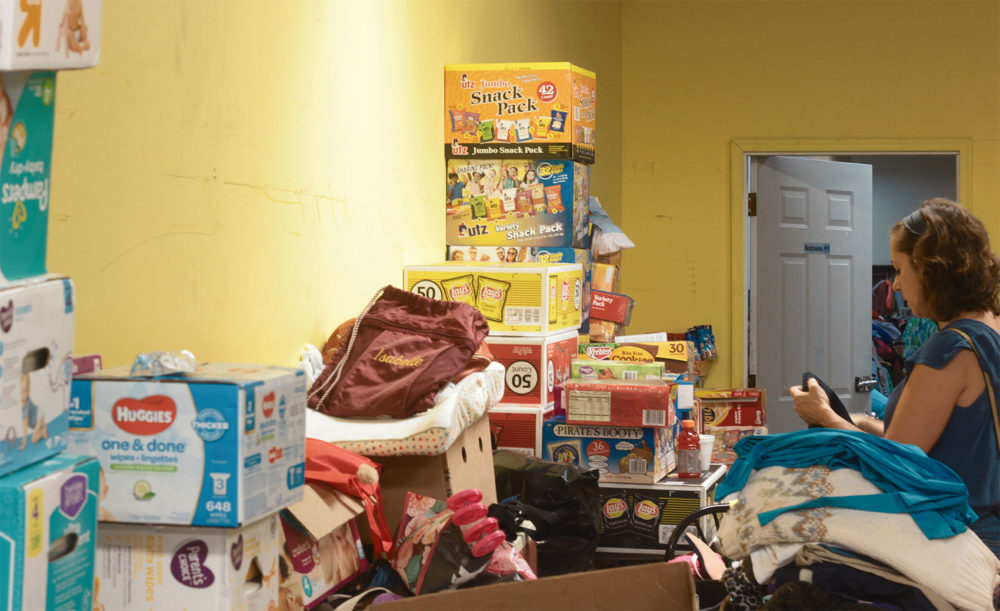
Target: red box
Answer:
[[732, 407], [611, 307], [534, 366], [619, 403], [519, 428]]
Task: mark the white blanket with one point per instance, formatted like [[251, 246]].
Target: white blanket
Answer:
[[429, 433], [961, 569]]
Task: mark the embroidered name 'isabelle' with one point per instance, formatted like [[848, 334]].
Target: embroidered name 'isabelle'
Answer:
[[382, 357]]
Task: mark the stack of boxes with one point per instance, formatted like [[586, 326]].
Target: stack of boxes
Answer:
[[193, 469], [519, 139], [48, 498]]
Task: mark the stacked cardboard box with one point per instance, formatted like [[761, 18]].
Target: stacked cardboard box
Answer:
[[49, 498], [518, 141]]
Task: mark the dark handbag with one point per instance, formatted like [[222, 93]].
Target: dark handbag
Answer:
[[402, 350]]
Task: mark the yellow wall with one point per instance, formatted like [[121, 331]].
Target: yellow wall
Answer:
[[699, 75], [238, 177]]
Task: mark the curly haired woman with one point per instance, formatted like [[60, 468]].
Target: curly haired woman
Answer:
[[947, 272]]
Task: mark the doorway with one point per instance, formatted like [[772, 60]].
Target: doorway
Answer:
[[903, 175]]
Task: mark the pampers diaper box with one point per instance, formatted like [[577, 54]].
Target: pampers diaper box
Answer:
[[517, 299], [48, 523], [545, 109], [518, 202], [175, 568], [36, 364], [222, 446], [27, 105], [49, 34]]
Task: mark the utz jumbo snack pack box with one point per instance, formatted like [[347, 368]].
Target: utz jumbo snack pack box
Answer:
[[518, 299], [49, 34], [517, 202], [221, 446], [181, 568], [36, 345], [48, 528], [521, 111]]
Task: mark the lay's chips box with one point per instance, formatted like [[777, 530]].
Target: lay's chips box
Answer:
[[517, 202], [522, 111], [517, 299]]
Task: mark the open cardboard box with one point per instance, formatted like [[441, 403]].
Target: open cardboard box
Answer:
[[321, 547], [658, 586]]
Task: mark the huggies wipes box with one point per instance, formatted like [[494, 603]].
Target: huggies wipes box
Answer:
[[221, 446], [49, 34], [36, 344], [48, 526], [27, 108], [173, 567]]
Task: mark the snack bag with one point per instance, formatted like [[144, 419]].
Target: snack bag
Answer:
[[510, 200], [460, 289], [486, 131], [491, 297], [478, 204], [524, 201], [522, 129], [471, 123], [541, 127], [645, 517], [558, 121], [504, 128], [457, 120], [554, 199], [615, 514], [494, 208]]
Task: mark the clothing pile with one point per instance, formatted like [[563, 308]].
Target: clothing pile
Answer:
[[850, 517]]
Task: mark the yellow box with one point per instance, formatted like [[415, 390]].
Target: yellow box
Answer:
[[518, 299], [521, 111]]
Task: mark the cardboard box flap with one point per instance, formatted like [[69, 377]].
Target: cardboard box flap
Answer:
[[322, 510], [646, 586]]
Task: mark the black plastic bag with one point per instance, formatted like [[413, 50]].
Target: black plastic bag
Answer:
[[561, 501]]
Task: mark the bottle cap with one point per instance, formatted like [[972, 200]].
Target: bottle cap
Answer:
[[687, 424]]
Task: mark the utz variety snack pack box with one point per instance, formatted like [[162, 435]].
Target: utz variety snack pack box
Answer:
[[172, 567], [624, 454], [520, 299], [49, 34], [27, 99], [518, 202], [48, 530], [36, 345], [221, 446], [532, 110]]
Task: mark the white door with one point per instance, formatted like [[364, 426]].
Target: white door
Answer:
[[813, 281]]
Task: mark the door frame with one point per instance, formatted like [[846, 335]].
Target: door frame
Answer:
[[741, 151]]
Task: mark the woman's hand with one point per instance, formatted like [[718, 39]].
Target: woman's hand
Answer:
[[813, 407]]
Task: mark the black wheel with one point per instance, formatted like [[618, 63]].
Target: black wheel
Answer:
[[694, 518]]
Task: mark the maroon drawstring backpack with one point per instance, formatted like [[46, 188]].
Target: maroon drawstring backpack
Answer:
[[402, 350]]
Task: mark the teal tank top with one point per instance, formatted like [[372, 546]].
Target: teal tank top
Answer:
[[968, 444]]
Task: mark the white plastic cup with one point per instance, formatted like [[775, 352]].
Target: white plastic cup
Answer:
[[705, 443]]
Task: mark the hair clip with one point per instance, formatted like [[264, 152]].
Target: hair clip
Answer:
[[915, 223]]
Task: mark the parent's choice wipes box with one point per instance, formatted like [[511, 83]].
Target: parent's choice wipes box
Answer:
[[49, 34], [221, 446], [36, 364], [48, 519], [178, 568]]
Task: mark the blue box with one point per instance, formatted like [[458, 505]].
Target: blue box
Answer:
[[222, 446], [620, 454], [48, 531]]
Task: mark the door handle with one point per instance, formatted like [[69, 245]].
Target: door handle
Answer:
[[865, 384]]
